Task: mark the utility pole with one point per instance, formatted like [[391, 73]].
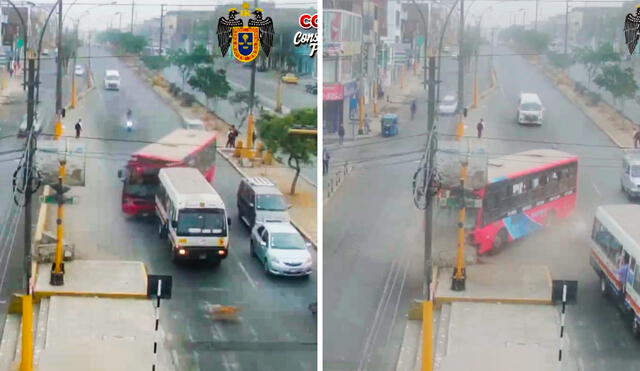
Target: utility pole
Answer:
[[74, 88], [132, 8], [566, 27], [58, 129], [535, 25], [161, 28], [427, 306], [425, 24], [27, 303], [461, 57]]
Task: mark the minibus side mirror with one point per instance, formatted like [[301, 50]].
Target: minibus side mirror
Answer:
[[121, 174], [174, 224], [229, 221]]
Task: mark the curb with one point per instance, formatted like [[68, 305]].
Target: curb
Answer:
[[340, 176], [446, 299], [243, 174]]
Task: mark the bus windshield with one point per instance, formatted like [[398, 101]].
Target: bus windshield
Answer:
[[530, 107], [202, 222], [271, 203], [142, 184]]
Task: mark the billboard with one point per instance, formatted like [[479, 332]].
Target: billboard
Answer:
[[48, 157]]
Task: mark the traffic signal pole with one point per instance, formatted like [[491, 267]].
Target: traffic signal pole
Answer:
[[459, 274], [57, 271]]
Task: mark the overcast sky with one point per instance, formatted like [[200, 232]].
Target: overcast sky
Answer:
[[99, 17]]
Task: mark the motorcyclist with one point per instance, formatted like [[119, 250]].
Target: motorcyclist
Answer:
[[129, 114]]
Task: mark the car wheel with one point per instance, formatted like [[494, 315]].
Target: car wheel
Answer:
[[252, 249], [174, 254], [266, 268], [604, 289]]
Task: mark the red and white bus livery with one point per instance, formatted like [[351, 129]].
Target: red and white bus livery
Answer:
[[615, 251], [181, 148], [524, 192]]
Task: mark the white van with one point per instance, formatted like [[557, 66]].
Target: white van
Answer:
[[630, 178], [530, 109], [112, 80], [194, 124], [192, 216]]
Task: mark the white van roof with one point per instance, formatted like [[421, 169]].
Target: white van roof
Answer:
[[112, 73], [188, 188], [529, 97]]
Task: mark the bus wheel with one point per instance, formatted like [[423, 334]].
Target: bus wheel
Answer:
[[604, 290], [499, 242], [635, 327], [162, 231]]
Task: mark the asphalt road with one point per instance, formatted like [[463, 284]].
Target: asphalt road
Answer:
[[373, 237], [276, 329]]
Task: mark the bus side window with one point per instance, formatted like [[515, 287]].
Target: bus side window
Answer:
[[636, 280], [632, 270]]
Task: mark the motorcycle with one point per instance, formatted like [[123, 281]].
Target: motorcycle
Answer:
[[129, 125]]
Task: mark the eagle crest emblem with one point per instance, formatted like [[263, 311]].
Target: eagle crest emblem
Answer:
[[632, 30], [246, 41]]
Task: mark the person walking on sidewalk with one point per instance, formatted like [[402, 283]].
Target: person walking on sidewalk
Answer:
[[480, 127], [325, 161], [78, 128], [232, 134], [341, 133], [636, 138], [413, 109]]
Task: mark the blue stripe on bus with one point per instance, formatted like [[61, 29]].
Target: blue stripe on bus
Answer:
[[520, 225], [496, 180]]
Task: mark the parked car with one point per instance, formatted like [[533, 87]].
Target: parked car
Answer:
[[290, 78], [79, 71], [194, 124], [312, 88], [448, 106], [281, 250], [22, 129], [260, 201], [45, 51]]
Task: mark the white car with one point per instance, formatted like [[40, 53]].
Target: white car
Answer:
[[112, 80], [448, 105], [79, 70], [281, 249], [22, 129]]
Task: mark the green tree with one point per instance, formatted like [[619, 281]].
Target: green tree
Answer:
[[560, 60], [617, 81], [593, 59], [212, 83], [187, 62], [300, 149], [241, 101], [132, 43], [155, 62]]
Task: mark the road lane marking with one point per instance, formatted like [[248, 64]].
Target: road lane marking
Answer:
[[246, 273], [303, 365], [190, 333], [596, 188], [598, 347], [580, 364], [253, 332]]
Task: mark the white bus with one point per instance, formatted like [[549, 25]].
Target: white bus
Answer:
[[615, 256], [192, 216]]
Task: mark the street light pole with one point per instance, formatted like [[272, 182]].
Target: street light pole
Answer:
[[161, 27], [461, 55], [425, 23], [566, 26], [132, 8], [535, 25], [444, 27], [58, 130]]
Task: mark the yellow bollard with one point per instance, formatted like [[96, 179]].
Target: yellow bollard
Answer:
[[427, 335], [27, 333], [250, 131]]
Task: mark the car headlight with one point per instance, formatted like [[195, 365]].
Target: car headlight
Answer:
[[275, 260]]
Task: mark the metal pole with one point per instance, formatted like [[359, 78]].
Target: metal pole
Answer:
[[28, 175], [444, 27], [74, 91], [40, 50], [161, 27], [566, 27], [535, 25], [461, 56], [58, 129], [428, 236], [132, 7], [425, 23]]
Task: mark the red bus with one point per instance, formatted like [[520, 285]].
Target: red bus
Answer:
[[180, 148], [524, 192]]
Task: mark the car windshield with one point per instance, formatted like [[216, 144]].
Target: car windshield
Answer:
[[287, 241], [271, 203], [112, 78], [202, 222], [142, 184], [530, 107], [635, 171]]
